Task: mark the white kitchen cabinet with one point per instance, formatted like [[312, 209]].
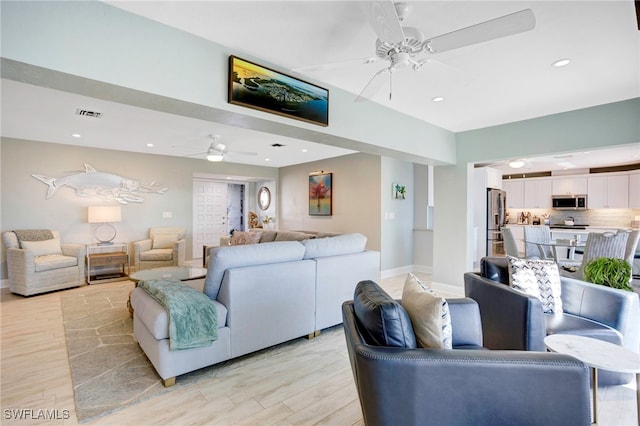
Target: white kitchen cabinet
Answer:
[[564, 186], [537, 194], [608, 192], [515, 193], [634, 191]]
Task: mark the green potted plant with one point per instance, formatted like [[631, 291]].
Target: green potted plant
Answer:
[[615, 273]]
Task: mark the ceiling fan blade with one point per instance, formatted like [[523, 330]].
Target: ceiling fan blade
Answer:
[[385, 21], [373, 86], [503, 26], [241, 153], [336, 65]]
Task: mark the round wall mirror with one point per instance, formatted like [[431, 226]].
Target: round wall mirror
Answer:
[[264, 198]]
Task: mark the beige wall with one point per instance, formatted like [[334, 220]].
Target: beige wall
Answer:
[[356, 197], [24, 203]]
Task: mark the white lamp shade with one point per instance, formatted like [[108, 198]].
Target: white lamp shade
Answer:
[[104, 214]]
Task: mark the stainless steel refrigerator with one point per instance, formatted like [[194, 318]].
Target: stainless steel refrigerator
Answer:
[[496, 213]]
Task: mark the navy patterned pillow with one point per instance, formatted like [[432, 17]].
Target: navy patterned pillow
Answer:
[[539, 278]]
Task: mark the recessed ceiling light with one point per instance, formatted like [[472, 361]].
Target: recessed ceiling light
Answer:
[[561, 63], [516, 164], [150, 145], [267, 159], [437, 99], [76, 135], [305, 150]]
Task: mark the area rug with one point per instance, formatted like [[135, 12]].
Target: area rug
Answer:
[[109, 370]]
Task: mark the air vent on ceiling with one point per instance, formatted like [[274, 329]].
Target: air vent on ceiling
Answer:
[[87, 113]]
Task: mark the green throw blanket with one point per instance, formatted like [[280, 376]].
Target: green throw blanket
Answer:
[[192, 315]]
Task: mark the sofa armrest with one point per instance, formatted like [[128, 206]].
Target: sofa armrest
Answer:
[[179, 248], [488, 384], [510, 319], [466, 325], [139, 247], [74, 250], [79, 251], [618, 309], [20, 262]]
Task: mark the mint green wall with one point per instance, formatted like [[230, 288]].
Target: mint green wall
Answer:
[[93, 40], [397, 215], [597, 127]]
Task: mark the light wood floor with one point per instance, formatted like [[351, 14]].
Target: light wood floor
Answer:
[[310, 384]]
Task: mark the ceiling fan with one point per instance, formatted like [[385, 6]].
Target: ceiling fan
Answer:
[[218, 151], [406, 47]]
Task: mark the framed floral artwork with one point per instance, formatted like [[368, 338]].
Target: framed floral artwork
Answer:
[[320, 194]]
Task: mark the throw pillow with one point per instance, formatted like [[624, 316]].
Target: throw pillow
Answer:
[[164, 241], [539, 278], [241, 238], [44, 247], [429, 314], [382, 320]]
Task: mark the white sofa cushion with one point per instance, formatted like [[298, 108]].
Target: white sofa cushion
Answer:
[[44, 247], [334, 246], [157, 254], [227, 257], [50, 262], [164, 241]]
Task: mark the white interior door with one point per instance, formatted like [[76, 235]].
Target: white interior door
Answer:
[[209, 214]]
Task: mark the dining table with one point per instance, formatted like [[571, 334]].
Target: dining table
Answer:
[[559, 245]]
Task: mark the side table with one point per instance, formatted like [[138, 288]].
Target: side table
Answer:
[[598, 354], [107, 263]]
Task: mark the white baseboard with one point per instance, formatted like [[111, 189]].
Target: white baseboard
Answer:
[[449, 289], [388, 273], [4, 283]]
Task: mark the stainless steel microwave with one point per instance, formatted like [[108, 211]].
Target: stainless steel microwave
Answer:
[[569, 202]]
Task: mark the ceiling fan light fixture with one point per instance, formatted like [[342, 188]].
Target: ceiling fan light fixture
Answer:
[[561, 63], [516, 164], [214, 156]]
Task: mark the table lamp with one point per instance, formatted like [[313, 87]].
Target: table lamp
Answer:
[[105, 215]]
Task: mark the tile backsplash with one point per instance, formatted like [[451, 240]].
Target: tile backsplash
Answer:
[[616, 218]]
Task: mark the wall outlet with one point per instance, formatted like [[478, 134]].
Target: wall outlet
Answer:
[[167, 215]]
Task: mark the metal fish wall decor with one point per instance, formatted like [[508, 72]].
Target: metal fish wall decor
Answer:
[[106, 186]]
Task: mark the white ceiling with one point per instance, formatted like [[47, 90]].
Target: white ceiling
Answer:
[[496, 82]]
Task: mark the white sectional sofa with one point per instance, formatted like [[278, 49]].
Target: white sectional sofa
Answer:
[[265, 294]]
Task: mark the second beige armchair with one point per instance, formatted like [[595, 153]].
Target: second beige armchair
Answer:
[[165, 247]]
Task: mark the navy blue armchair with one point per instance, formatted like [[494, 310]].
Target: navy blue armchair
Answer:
[[515, 321], [399, 384]]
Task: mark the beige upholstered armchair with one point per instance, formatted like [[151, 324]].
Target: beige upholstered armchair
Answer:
[[165, 247], [38, 262]]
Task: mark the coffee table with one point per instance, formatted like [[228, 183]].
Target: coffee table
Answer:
[[182, 273], [598, 354]]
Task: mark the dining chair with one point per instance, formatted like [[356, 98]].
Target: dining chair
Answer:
[[601, 244], [533, 236], [510, 246]]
